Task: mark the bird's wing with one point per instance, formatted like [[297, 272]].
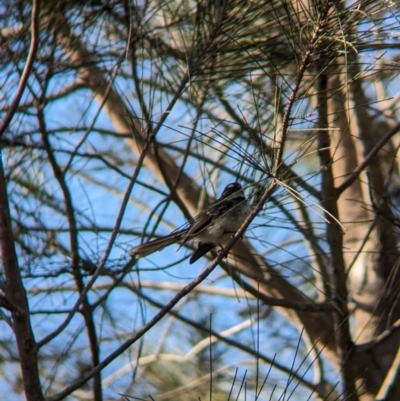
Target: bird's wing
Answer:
[[198, 226], [214, 212]]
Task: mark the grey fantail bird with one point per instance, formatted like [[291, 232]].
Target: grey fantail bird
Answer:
[[214, 227]]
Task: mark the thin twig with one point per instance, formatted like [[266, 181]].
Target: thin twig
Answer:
[[28, 66], [107, 252]]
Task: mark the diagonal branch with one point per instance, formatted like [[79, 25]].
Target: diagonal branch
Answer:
[[127, 343], [367, 159]]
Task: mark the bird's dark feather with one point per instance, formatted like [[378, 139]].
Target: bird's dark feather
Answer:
[[201, 251]]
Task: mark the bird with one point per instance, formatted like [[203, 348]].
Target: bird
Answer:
[[214, 227]]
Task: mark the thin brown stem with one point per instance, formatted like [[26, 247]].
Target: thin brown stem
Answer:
[[27, 69], [87, 311], [367, 159]]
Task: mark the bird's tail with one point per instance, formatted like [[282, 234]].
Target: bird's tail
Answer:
[[158, 244]]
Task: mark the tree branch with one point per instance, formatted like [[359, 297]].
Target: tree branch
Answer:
[[156, 318], [15, 293], [335, 241], [367, 159], [28, 66]]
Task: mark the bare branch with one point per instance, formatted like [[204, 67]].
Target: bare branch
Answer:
[[15, 294], [154, 320], [367, 159], [27, 69]]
